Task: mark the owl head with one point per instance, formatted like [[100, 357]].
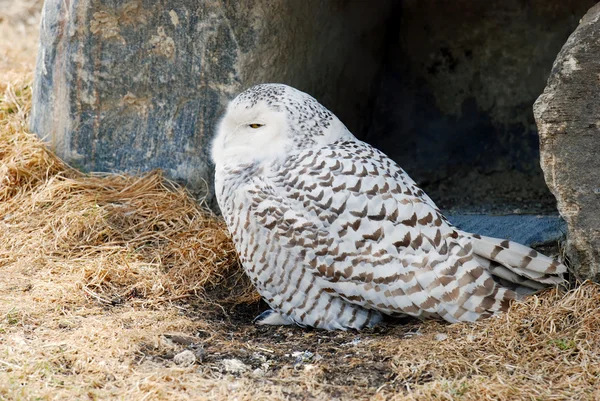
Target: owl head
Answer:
[[271, 121]]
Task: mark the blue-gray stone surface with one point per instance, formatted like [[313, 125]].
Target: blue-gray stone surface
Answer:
[[530, 230], [138, 85]]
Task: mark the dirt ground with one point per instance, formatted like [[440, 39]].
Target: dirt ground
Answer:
[[120, 287]]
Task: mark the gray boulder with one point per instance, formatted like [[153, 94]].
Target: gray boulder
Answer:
[[568, 119], [137, 85]]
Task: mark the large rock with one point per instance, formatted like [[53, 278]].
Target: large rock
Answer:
[[137, 85], [568, 118]]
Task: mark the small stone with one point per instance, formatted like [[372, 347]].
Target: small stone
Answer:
[[258, 372], [353, 343], [181, 339], [412, 334], [303, 357], [198, 350], [185, 358], [441, 337], [65, 324], [259, 357], [234, 366]]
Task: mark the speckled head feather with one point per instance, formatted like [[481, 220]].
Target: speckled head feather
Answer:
[[290, 119], [307, 117], [334, 234]]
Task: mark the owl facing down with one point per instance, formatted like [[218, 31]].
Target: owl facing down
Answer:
[[333, 233]]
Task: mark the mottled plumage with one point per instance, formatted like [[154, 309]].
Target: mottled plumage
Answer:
[[333, 233]]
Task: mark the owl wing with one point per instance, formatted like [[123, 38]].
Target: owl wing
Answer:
[[368, 234]]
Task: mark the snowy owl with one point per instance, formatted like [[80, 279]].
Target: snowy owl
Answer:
[[334, 234]]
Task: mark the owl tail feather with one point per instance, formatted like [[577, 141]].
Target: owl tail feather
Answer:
[[517, 266]]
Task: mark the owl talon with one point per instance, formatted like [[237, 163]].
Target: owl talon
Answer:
[[270, 317]]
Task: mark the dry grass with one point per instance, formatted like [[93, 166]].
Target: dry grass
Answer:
[[547, 348], [98, 273], [141, 239]]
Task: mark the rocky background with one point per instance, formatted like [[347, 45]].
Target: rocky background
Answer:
[[138, 85], [444, 88], [454, 106]]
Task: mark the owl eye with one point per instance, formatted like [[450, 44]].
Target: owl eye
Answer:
[[255, 125]]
